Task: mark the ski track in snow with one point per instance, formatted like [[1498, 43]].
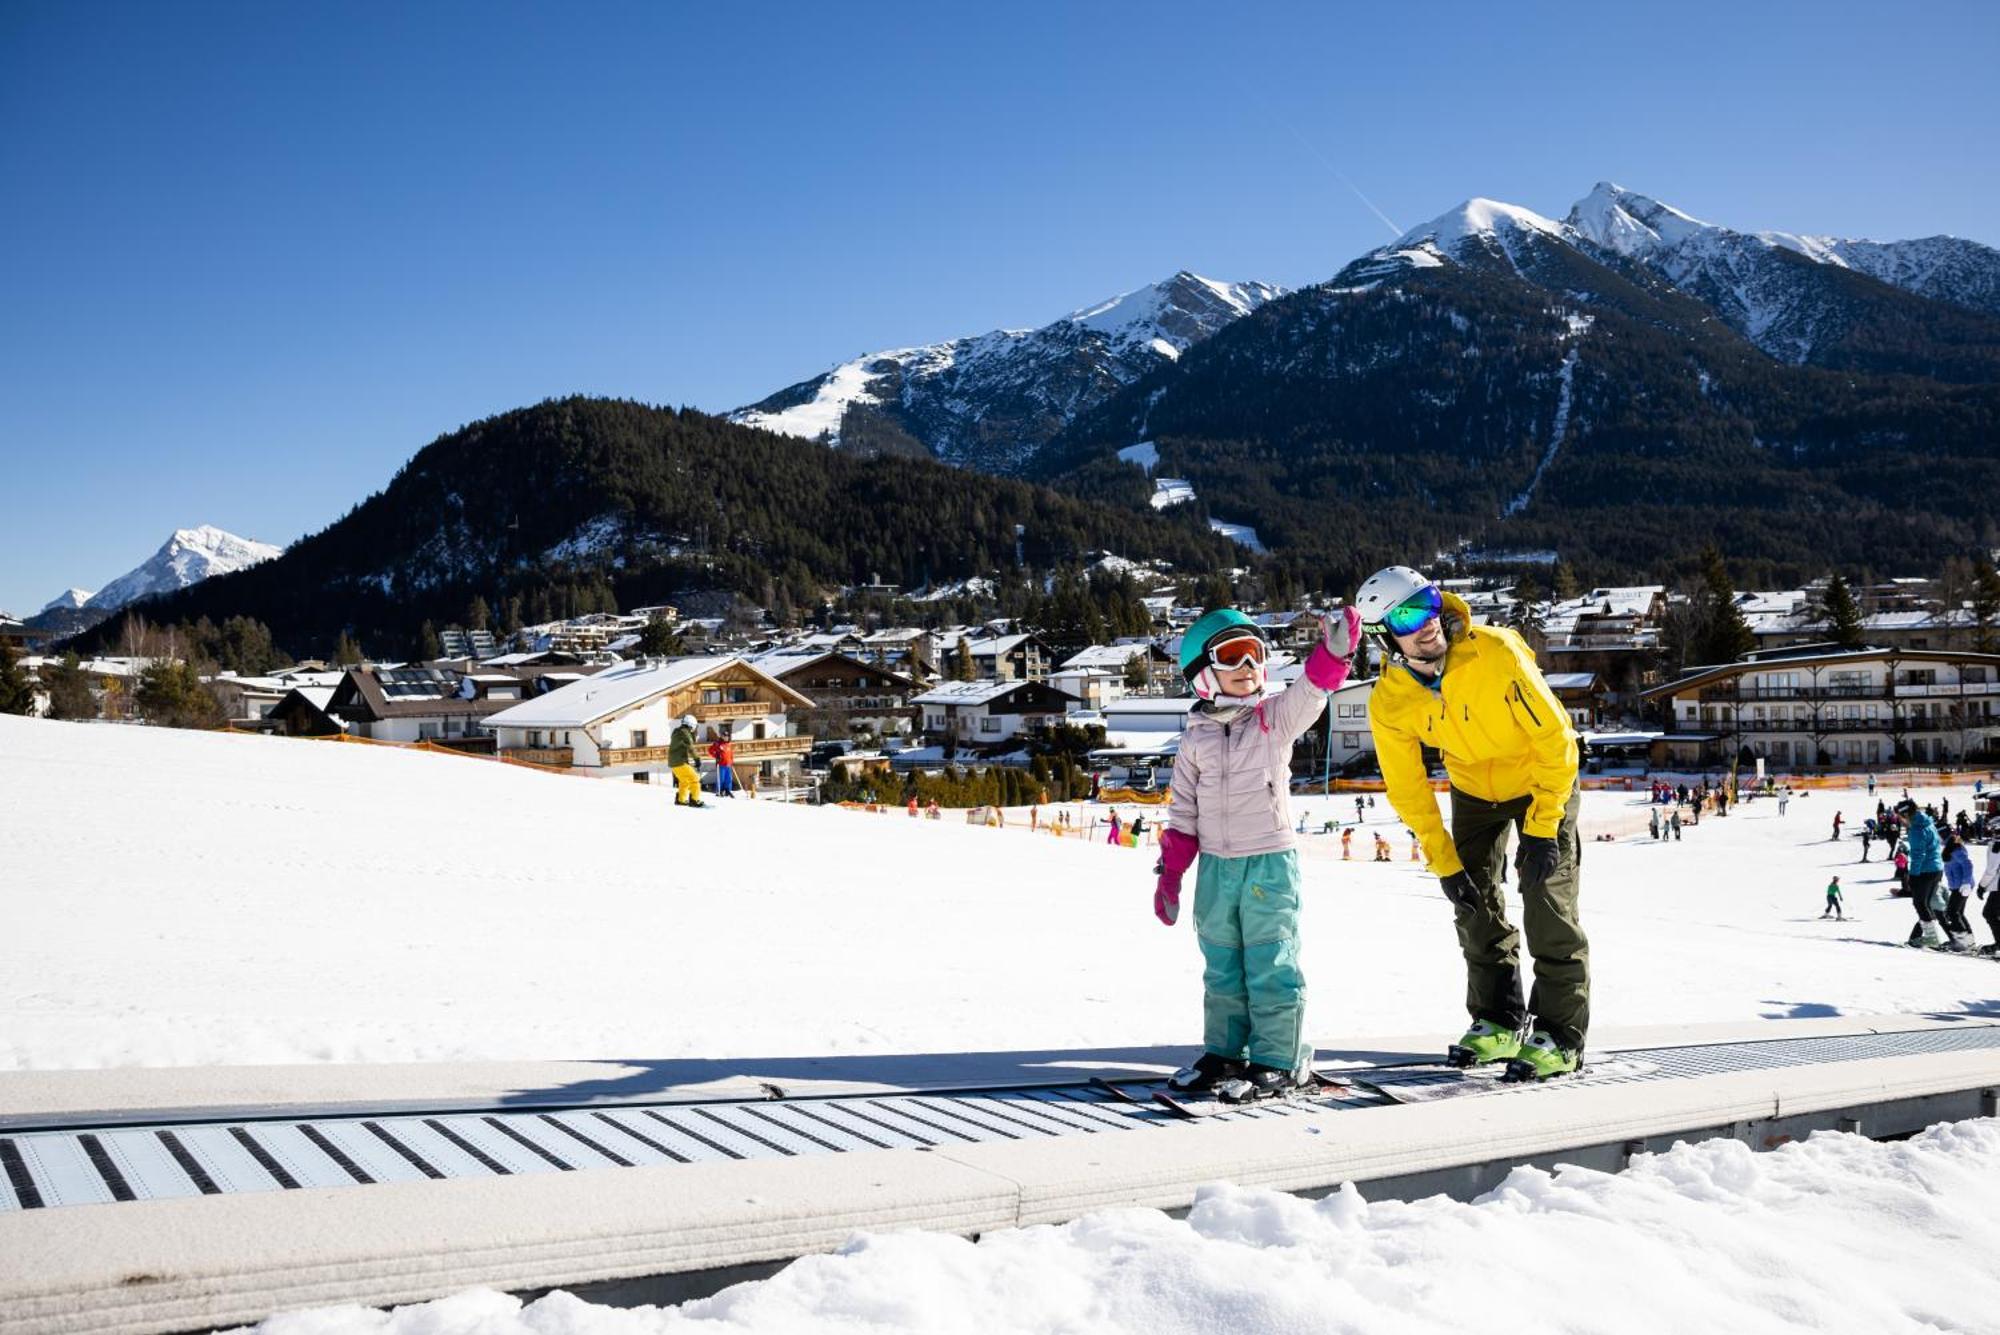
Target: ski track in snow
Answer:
[[1557, 430]]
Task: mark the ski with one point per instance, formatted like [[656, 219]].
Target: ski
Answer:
[[1430, 1083], [1105, 1087], [1194, 1107]]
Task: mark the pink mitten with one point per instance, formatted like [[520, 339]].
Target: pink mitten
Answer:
[[1177, 853], [1333, 657]]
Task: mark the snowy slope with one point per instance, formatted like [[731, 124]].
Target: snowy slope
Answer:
[[357, 903], [190, 556], [990, 400]]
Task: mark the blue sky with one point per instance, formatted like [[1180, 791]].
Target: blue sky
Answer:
[[254, 256]]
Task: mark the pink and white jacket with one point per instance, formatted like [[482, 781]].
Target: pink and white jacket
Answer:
[[1232, 776]]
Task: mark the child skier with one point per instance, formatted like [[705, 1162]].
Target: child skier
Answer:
[[1230, 805], [1833, 901]]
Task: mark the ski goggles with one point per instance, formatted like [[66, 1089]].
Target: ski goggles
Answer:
[[1415, 612], [1237, 651]]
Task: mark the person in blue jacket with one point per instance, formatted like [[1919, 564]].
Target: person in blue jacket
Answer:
[[1958, 888], [1926, 854]]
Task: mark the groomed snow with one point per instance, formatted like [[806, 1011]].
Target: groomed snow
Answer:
[[204, 898], [1833, 1234], [361, 903]]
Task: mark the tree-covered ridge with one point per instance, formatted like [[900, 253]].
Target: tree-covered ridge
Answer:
[[583, 504], [1370, 424]]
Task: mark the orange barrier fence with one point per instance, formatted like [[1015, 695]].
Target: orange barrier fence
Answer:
[[432, 747]]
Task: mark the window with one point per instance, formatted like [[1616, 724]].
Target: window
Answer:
[[642, 777], [638, 737], [989, 724], [1351, 740], [534, 738]]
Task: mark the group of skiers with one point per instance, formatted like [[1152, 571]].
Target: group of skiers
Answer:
[[683, 748], [1472, 693], [1934, 865]]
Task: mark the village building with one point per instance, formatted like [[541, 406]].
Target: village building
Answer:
[[302, 712], [847, 695], [425, 703], [620, 722], [1014, 657], [989, 715], [1818, 705]]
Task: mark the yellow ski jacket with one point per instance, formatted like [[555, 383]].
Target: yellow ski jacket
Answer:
[[1499, 726]]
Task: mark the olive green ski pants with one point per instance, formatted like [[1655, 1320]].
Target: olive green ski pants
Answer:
[[1560, 1001]]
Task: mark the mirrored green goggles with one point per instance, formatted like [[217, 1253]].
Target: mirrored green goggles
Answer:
[[1415, 612]]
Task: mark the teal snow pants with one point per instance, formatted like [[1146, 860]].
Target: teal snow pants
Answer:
[[1246, 914]]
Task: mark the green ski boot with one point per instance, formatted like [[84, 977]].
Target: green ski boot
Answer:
[[1542, 1059], [1484, 1043]]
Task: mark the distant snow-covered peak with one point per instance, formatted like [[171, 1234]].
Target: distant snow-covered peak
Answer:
[[1478, 219], [1630, 223], [190, 556], [68, 600], [1181, 310]]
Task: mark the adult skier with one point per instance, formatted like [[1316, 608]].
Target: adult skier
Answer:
[[681, 760], [1989, 890], [1475, 694], [1231, 779], [1926, 864]]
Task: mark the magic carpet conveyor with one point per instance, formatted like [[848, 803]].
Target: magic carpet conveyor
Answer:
[[200, 1205]]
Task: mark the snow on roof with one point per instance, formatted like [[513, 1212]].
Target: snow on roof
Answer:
[[1105, 656], [319, 697], [1570, 681], [612, 691], [968, 692]]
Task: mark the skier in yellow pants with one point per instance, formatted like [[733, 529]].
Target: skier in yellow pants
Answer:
[[680, 756]]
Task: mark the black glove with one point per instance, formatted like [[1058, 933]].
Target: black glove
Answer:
[[1459, 889], [1537, 860]]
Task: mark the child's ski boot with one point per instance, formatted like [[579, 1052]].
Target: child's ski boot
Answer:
[[1208, 1071], [1484, 1043], [1543, 1059], [1258, 1083]]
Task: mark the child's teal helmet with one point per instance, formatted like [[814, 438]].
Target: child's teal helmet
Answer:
[[1224, 623]]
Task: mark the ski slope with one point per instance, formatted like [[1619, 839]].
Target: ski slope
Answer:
[[194, 899]]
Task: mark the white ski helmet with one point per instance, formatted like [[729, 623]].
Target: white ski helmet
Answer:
[[1381, 593], [687, 721]]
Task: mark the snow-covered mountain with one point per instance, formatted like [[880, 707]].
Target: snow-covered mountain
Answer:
[[990, 400], [1780, 290], [190, 556], [68, 600]]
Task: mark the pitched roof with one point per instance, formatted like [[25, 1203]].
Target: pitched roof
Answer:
[[625, 687]]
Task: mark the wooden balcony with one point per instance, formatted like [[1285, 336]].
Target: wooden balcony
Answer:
[[635, 755], [560, 756], [769, 748], [724, 713]]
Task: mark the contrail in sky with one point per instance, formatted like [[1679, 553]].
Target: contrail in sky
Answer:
[[1309, 147]]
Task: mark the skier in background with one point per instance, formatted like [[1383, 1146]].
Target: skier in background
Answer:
[[1515, 763], [1958, 888], [680, 759], [723, 752], [1230, 799], [1833, 901], [1989, 890], [1926, 863]]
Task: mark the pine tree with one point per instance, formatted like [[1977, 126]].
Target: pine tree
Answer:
[[17, 695], [428, 646], [1985, 607], [171, 694], [346, 652], [476, 613], [961, 665], [1727, 637], [68, 688], [1564, 583], [658, 639], [1843, 617]]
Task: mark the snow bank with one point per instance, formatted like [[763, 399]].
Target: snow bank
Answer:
[[1834, 1234]]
